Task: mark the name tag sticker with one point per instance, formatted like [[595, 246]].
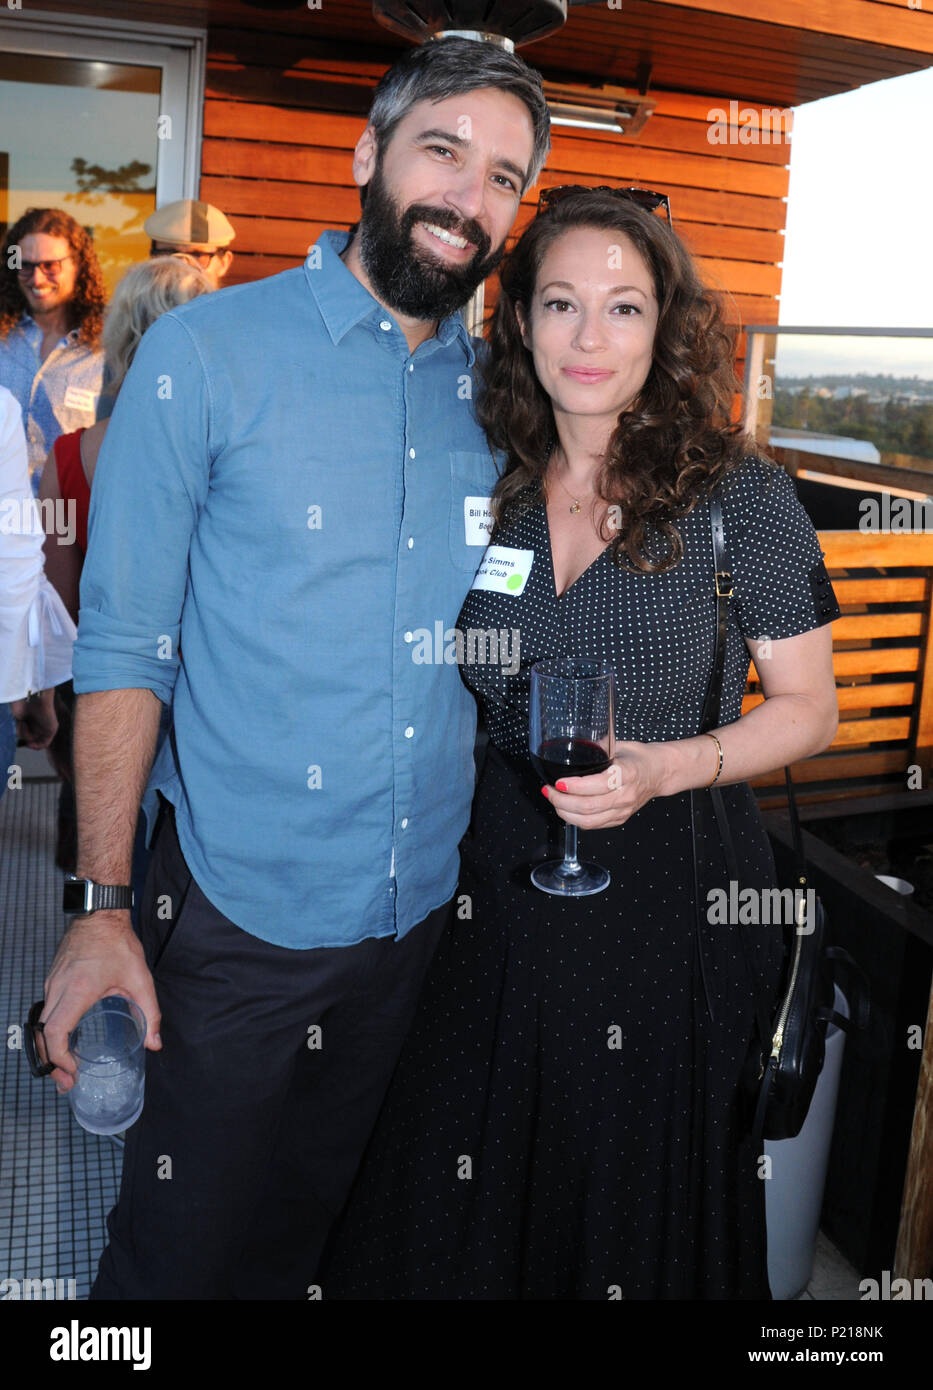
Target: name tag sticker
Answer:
[[77, 398], [477, 520], [504, 570]]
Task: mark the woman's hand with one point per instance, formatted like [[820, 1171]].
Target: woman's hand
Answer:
[[638, 773]]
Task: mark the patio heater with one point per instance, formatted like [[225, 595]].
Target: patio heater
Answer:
[[509, 23]]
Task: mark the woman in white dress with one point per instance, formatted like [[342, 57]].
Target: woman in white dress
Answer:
[[36, 633]]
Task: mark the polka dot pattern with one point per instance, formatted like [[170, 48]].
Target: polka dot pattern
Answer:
[[563, 1122]]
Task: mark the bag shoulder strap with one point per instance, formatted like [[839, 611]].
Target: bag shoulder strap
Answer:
[[713, 702], [710, 720]]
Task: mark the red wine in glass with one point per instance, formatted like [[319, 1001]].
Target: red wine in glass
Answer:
[[568, 757], [571, 727]]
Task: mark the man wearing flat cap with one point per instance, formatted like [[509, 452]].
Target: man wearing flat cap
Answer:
[[199, 232], [194, 229]]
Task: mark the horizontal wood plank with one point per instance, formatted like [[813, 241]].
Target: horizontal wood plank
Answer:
[[740, 277], [884, 695], [852, 591], [875, 660], [862, 549], [879, 695], [871, 625], [838, 766], [858, 732]]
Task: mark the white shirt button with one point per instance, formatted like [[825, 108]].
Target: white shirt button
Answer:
[[385, 325], [404, 822], [411, 453], [409, 637], [409, 732], [411, 366], [411, 542]]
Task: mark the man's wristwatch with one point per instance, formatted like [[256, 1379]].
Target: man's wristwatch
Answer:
[[83, 895]]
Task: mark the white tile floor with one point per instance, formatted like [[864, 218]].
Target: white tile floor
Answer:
[[57, 1182]]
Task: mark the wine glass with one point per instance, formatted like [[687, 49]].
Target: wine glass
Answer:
[[571, 734]]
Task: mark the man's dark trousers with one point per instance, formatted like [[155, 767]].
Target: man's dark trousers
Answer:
[[253, 1124]]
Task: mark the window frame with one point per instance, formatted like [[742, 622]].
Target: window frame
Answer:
[[179, 52]]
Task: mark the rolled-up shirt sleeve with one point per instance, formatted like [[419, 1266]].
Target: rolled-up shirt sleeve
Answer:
[[150, 484]]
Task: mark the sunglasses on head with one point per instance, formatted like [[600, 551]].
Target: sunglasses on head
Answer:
[[644, 197]]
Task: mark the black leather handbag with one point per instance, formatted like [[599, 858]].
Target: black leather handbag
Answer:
[[787, 1052]]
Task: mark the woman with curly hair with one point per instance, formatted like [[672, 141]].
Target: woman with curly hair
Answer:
[[52, 299], [564, 1120]]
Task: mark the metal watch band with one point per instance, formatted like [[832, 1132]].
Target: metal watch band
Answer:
[[109, 895]]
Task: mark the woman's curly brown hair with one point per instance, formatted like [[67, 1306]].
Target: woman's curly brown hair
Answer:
[[675, 441], [86, 308]]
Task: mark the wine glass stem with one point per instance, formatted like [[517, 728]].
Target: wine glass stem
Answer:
[[571, 864]]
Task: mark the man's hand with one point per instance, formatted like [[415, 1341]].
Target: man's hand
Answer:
[[100, 954], [36, 721]]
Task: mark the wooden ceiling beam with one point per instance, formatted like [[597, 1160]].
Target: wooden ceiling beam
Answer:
[[864, 20]]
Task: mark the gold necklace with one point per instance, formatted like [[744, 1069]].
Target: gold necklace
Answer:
[[577, 506]]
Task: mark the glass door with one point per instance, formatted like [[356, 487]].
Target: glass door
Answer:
[[101, 120]]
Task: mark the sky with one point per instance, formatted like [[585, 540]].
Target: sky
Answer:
[[860, 227]]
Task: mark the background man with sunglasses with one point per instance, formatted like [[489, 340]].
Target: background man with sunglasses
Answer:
[[198, 232], [52, 301]]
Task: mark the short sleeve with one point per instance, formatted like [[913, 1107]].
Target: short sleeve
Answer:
[[780, 584]]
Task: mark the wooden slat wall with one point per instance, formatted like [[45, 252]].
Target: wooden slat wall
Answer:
[[883, 663], [280, 169]]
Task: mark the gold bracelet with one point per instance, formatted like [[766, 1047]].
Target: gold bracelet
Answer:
[[719, 751]]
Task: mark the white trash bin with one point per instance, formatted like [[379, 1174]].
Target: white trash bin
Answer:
[[794, 1192]]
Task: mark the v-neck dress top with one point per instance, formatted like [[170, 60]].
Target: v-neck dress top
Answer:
[[657, 630], [564, 1122]]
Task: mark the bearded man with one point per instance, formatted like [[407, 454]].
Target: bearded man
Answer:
[[287, 491]]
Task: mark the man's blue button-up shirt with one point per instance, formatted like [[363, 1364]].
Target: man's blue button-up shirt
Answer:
[[281, 536], [56, 396]]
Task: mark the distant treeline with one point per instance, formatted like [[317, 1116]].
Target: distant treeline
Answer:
[[876, 382], [893, 427]]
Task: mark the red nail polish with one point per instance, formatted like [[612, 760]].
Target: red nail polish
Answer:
[[544, 791], [561, 786]]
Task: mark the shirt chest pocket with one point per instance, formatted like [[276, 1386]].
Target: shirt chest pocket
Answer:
[[471, 483]]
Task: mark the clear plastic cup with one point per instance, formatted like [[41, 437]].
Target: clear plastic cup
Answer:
[[900, 885], [107, 1045]]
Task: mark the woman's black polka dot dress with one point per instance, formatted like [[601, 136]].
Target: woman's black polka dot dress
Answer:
[[563, 1120]]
